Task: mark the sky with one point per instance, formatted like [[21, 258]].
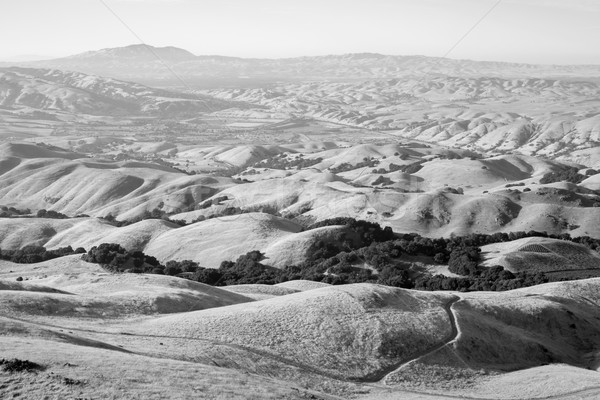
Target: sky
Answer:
[[529, 31]]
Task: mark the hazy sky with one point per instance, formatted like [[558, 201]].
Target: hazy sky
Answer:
[[535, 31]]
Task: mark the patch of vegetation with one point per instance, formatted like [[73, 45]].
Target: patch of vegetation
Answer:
[[35, 254], [284, 161], [16, 365], [115, 258], [72, 382], [11, 212], [362, 252], [569, 174], [366, 163], [382, 180], [51, 214], [591, 172]]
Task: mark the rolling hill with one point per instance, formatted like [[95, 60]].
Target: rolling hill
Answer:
[[60, 92], [265, 206], [546, 117], [368, 340]]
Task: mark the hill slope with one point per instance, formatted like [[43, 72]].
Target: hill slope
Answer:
[[79, 93]]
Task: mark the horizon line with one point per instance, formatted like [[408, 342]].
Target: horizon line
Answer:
[[53, 58]]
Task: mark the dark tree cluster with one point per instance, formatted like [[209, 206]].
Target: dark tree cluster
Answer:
[[365, 163], [382, 180], [409, 168], [367, 232], [464, 260], [488, 279], [51, 214], [569, 174], [17, 365], [35, 254], [116, 259], [363, 252], [412, 168], [10, 212], [248, 269]]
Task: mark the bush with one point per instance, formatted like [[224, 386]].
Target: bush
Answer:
[[569, 174], [16, 365], [35, 254], [50, 214], [115, 258]]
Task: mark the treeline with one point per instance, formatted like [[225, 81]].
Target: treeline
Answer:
[[362, 252], [409, 168], [115, 258], [35, 254], [365, 163], [486, 279], [10, 212], [51, 214], [569, 174]]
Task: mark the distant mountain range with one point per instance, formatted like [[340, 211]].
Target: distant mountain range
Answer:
[[542, 110], [170, 66]]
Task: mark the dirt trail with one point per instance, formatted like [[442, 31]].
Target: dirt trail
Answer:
[[379, 384], [381, 376]]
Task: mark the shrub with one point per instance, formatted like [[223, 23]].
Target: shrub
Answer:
[[34, 254], [50, 214], [569, 174], [16, 365]]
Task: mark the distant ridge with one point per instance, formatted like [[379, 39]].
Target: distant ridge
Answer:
[[135, 52], [176, 53], [169, 66]]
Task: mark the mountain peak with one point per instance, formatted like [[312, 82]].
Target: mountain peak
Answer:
[[137, 52]]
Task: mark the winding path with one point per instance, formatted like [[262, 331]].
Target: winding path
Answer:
[[377, 381], [382, 376]]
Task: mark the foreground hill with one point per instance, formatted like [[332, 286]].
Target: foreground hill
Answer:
[[93, 293], [352, 341]]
